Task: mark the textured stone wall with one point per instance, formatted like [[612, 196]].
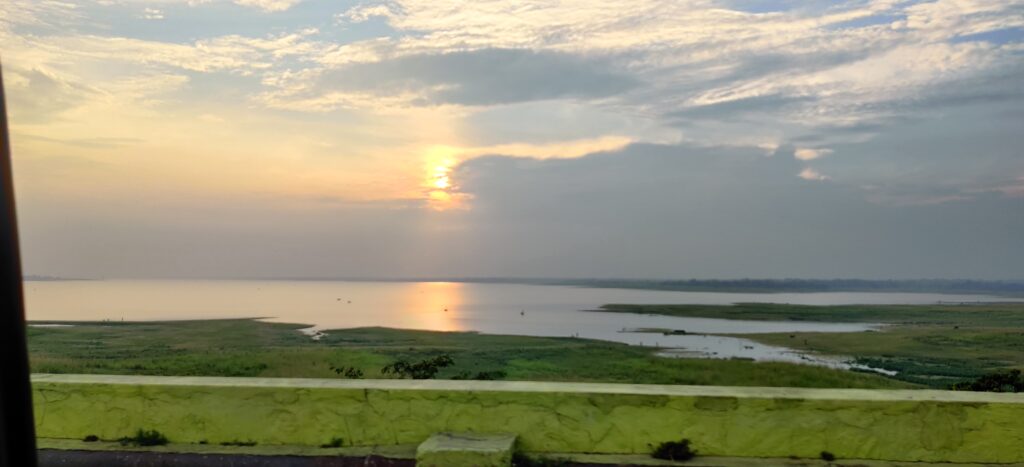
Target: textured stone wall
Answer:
[[548, 417]]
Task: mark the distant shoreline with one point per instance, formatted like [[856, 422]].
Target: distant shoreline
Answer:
[[51, 279], [941, 286], [1004, 288]]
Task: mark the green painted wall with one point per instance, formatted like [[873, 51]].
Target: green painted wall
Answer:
[[548, 417]]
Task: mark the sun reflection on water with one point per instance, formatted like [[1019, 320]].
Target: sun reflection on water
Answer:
[[436, 306]]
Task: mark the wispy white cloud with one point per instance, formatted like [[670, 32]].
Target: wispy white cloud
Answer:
[[811, 174], [809, 154], [693, 54], [269, 5], [152, 13], [363, 13]]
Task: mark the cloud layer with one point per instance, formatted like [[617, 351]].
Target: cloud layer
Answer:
[[591, 138]]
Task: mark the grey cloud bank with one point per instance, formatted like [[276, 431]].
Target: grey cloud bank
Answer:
[[645, 211], [483, 77]]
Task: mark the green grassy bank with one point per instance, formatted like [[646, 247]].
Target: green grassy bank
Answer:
[[254, 348], [934, 345]]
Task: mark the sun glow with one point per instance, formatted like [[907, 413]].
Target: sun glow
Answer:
[[441, 179], [441, 191]]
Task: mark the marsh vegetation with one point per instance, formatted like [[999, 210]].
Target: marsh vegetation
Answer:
[[256, 348], [929, 345]]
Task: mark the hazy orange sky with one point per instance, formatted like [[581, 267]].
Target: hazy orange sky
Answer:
[[705, 138]]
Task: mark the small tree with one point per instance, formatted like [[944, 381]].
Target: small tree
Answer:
[[424, 369]]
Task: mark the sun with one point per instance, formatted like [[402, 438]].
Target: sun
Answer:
[[438, 162], [439, 187], [442, 181]]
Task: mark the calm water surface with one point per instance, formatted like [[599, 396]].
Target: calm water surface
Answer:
[[531, 310]]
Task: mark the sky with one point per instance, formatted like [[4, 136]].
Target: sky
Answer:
[[581, 138]]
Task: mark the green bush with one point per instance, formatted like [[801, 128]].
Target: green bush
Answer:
[[481, 375], [1004, 381], [674, 451], [425, 369], [144, 438], [349, 372], [333, 443]]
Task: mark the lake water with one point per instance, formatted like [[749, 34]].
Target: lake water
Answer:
[[531, 310]]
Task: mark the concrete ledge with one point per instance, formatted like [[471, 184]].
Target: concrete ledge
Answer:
[[466, 450], [903, 426], [539, 386]]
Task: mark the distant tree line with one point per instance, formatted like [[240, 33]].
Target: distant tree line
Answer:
[[962, 286]]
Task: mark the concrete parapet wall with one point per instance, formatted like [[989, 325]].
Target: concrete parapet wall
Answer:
[[932, 426]]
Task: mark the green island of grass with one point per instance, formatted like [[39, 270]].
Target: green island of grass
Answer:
[[928, 345]]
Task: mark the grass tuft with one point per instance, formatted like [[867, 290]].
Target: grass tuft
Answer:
[[333, 443], [144, 438]]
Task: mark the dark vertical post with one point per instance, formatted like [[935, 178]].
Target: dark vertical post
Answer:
[[17, 430]]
